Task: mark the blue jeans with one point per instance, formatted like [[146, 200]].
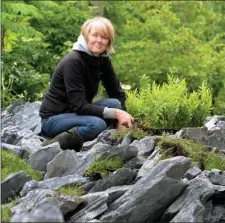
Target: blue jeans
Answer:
[[88, 127]]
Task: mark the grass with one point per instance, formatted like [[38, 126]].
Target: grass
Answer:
[[136, 134], [171, 147], [6, 213], [71, 190], [12, 164], [103, 167]]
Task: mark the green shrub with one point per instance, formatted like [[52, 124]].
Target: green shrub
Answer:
[[12, 164], [103, 167], [169, 106], [171, 147]]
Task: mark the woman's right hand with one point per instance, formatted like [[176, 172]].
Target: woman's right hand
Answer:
[[124, 119]]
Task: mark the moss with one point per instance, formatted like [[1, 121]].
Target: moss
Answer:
[[171, 147], [6, 213], [102, 167], [12, 164], [136, 134], [72, 190]]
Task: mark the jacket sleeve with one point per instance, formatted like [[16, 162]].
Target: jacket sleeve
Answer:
[[112, 84], [74, 78]]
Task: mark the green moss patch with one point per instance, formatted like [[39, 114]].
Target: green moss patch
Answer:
[[6, 213], [12, 164], [171, 147], [103, 167], [136, 134], [71, 190]]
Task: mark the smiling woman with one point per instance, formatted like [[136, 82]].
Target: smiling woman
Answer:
[[67, 111]]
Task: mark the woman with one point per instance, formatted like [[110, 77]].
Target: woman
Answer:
[[67, 111]]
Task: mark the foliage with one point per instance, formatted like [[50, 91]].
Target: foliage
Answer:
[[153, 38], [169, 106], [6, 210], [170, 147], [12, 164], [102, 167], [71, 190], [136, 133]]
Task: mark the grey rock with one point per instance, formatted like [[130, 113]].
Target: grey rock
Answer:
[[127, 139], [193, 212], [214, 212], [135, 163], [61, 163], [199, 134], [39, 159], [95, 205], [17, 150], [29, 146], [28, 116], [37, 197], [189, 207], [215, 122], [95, 220], [88, 145], [152, 160], [217, 177], [42, 213], [151, 195], [101, 151], [192, 173], [54, 183], [13, 184], [122, 176], [106, 136], [145, 146], [9, 135], [216, 138]]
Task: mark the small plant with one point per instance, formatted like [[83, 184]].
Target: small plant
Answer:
[[6, 213], [72, 190], [12, 164], [171, 147], [102, 167]]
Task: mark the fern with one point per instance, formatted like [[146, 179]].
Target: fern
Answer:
[[169, 106]]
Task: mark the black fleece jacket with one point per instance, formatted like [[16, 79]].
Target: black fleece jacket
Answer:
[[75, 82]]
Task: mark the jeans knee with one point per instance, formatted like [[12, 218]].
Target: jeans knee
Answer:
[[92, 128], [115, 103]]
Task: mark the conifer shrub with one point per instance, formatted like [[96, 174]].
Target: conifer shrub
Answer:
[[169, 106]]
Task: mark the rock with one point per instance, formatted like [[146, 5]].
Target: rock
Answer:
[[198, 134], [42, 213], [127, 139], [215, 122], [216, 138], [39, 159], [95, 205], [145, 146], [37, 197], [13, 184], [135, 163], [101, 151], [192, 173], [9, 135], [122, 176], [189, 207], [17, 150], [217, 177], [152, 160], [53, 183], [151, 195], [61, 163]]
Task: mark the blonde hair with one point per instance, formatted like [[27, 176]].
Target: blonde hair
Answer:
[[104, 26]]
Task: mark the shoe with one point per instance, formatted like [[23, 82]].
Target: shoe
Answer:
[[69, 139]]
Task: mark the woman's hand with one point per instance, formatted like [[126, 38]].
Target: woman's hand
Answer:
[[125, 120]]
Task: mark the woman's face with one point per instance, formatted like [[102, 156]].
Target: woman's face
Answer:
[[97, 42]]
